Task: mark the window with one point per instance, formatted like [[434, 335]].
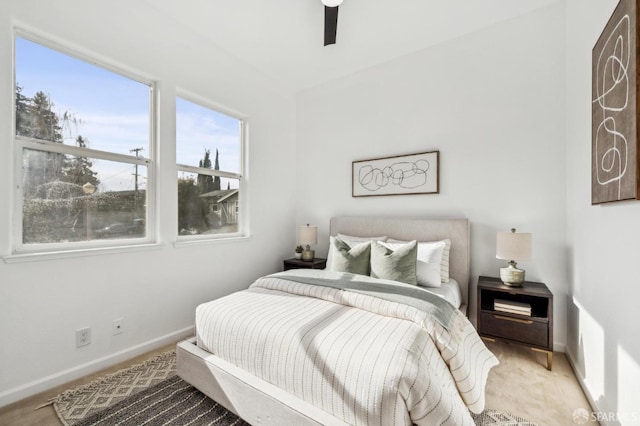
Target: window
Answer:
[[83, 137], [209, 147]]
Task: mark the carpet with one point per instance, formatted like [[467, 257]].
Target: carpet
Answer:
[[150, 393], [171, 402], [75, 404], [491, 417]]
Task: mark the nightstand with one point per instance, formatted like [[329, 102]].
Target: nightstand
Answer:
[[317, 263], [510, 321]]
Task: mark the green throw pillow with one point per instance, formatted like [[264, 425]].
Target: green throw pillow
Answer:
[[351, 259], [397, 265]]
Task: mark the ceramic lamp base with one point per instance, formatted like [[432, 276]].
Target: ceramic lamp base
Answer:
[[511, 275], [308, 254]]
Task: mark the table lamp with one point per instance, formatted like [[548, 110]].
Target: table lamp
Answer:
[[513, 246], [307, 235]]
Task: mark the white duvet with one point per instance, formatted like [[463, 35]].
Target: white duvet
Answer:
[[365, 360]]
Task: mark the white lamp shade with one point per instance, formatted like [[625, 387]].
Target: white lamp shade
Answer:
[[513, 246], [308, 235], [332, 3]]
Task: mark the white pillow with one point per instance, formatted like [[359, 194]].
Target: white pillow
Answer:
[[444, 270], [444, 264], [428, 269], [350, 240]]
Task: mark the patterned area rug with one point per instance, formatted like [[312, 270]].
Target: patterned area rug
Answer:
[[151, 393], [170, 402], [491, 417], [76, 404]]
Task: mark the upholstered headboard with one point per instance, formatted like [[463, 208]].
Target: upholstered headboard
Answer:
[[420, 229]]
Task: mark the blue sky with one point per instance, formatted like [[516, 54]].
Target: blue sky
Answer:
[[114, 111]]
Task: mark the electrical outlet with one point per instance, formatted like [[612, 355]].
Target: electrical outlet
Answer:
[[83, 337], [118, 326]]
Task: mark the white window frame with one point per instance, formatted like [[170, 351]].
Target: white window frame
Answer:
[[20, 143], [242, 184]]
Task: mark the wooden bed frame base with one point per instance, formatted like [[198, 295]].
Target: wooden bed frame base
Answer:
[[254, 400]]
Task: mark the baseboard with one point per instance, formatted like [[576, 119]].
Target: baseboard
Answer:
[[32, 388], [583, 385]]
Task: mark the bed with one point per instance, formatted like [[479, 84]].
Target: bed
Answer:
[[362, 358]]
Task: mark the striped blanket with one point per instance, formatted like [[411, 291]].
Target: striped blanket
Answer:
[[363, 359]]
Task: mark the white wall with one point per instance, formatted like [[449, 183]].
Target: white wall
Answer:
[[603, 331], [492, 103], [42, 303]]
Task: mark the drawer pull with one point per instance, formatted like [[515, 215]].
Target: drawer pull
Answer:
[[521, 321]]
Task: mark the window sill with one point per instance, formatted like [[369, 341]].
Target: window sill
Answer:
[[66, 254], [193, 242]]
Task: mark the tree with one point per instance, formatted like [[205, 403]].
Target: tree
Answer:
[[44, 122], [216, 180], [205, 182], [78, 170], [35, 119], [208, 183], [192, 210], [22, 115]]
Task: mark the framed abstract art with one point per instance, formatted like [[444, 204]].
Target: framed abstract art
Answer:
[[614, 108], [398, 175]]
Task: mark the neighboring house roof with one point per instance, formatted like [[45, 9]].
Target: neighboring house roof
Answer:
[[220, 195]]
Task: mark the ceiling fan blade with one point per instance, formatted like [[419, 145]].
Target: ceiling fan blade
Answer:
[[330, 24]]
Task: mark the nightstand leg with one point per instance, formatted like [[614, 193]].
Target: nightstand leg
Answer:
[[549, 357]]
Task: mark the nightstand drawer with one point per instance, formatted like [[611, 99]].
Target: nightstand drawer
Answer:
[[524, 330]]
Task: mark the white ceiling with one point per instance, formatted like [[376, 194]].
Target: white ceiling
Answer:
[[284, 38]]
